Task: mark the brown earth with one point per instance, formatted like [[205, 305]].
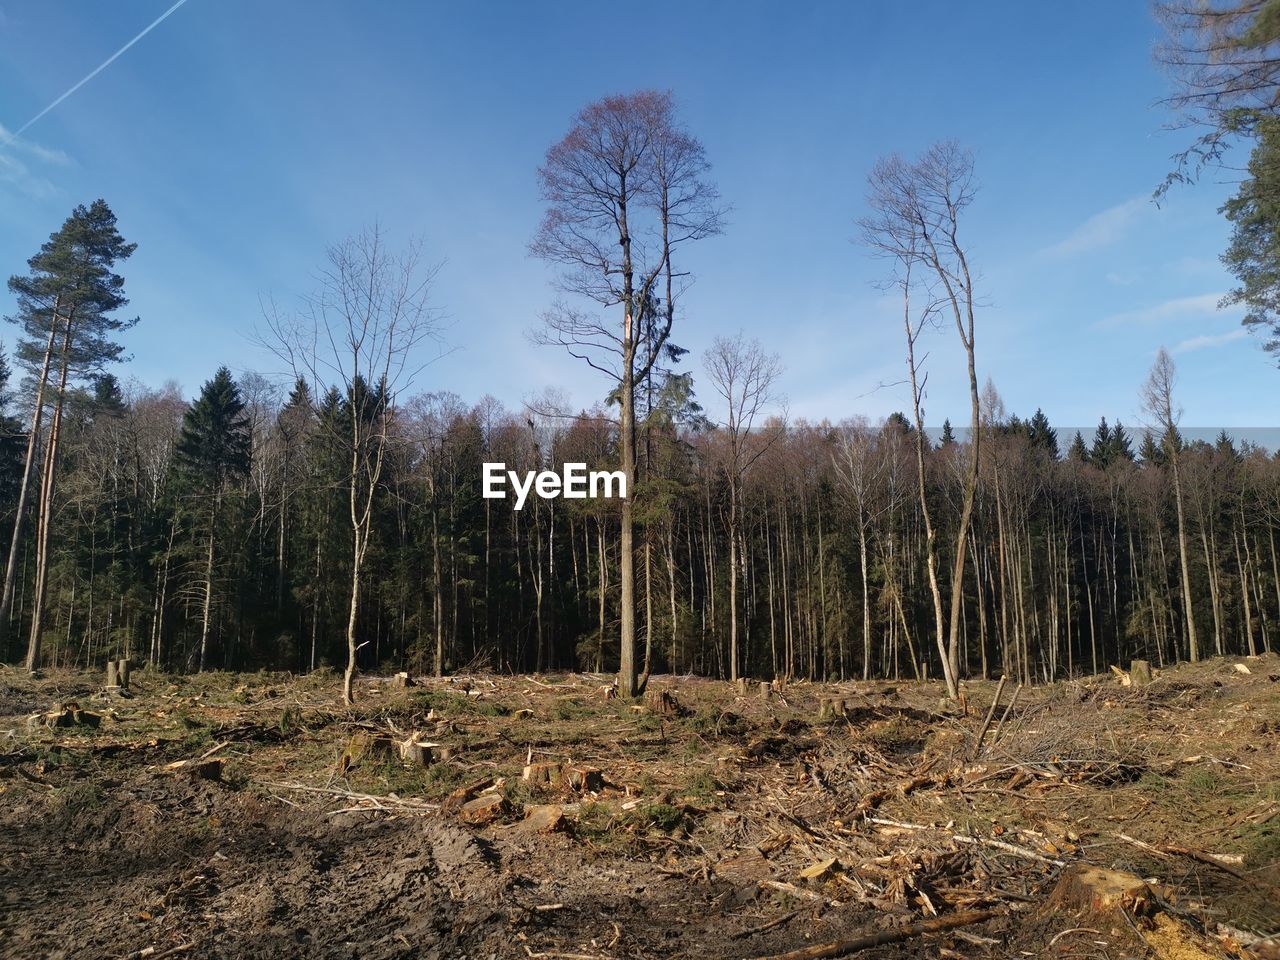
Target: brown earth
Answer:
[[722, 824]]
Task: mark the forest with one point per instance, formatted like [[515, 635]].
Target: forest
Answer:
[[214, 532], [332, 515]]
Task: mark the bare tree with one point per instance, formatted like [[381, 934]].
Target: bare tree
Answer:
[[624, 189], [360, 332], [915, 221], [743, 375], [1158, 404], [860, 467]]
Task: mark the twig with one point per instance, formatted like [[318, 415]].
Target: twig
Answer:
[[986, 724], [841, 948], [775, 922]]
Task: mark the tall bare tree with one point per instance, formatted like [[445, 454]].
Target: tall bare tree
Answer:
[[360, 332], [744, 376], [915, 221], [625, 188], [1158, 403]]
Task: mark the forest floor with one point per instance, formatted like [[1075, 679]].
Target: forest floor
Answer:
[[253, 815]]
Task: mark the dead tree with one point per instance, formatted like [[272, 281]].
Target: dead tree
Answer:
[[360, 333], [915, 221], [743, 375], [1158, 403]]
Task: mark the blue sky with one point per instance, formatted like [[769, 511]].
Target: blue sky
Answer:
[[237, 139]]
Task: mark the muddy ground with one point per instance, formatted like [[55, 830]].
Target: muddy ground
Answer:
[[714, 824]]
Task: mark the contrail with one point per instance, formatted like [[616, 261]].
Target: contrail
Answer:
[[102, 66]]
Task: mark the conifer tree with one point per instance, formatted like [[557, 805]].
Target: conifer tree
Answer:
[[1042, 435], [1120, 447], [1100, 454], [211, 452], [1078, 452], [948, 435], [1151, 452], [66, 307]]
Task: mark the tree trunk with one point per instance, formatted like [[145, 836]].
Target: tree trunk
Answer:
[[24, 488]]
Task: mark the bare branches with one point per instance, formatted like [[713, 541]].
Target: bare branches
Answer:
[[624, 189]]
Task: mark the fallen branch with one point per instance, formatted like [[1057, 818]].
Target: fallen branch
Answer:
[[986, 724], [379, 803], [842, 948], [973, 841]]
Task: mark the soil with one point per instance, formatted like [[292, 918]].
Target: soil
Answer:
[[741, 826]]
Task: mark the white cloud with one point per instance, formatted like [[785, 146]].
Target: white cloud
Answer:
[[1210, 340], [1101, 229], [1179, 308]]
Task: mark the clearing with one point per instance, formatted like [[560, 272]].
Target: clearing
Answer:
[[495, 816]]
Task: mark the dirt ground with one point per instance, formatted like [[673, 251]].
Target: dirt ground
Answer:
[[254, 816]]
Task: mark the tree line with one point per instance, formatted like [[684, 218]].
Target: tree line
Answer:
[[339, 519]]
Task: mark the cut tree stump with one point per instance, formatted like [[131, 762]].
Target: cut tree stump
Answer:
[[209, 768], [402, 681], [485, 809], [122, 671], [662, 703], [421, 753], [543, 818], [542, 774], [364, 745], [1097, 890], [1139, 673], [113, 674], [743, 685], [584, 779], [766, 689], [831, 707], [70, 715]]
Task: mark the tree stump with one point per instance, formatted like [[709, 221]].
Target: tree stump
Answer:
[[542, 774], [70, 715], [830, 707], [484, 809], [402, 681], [420, 753], [1139, 673], [1085, 890], [662, 703], [584, 779], [113, 675], [122, 670], [543, 818], [743, 686], [766, 689], [364, 745]]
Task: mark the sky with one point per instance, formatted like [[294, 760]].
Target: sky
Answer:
[[237, 139]]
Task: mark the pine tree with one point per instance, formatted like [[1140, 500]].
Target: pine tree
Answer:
[[65, 312], [1120, 447], [1151, 452], [1254, 213], [213, 449], [1078, 452], [1100, 455], [1041, 435], [948, 435]]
